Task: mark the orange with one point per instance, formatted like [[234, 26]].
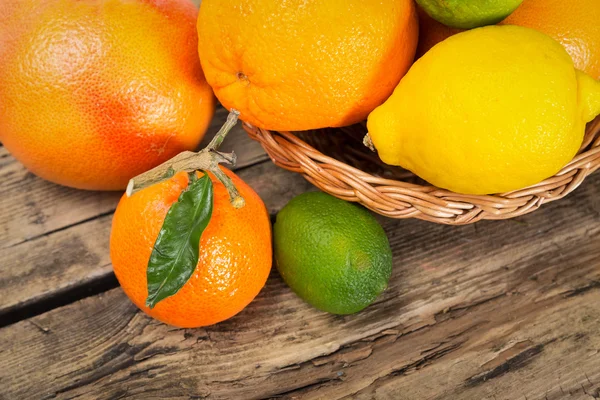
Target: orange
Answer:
[[234, 257], [93, 93], [573, 23], [298, 64]]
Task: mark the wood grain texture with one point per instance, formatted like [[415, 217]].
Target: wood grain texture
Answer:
[[54, 238], [31, 207], [37, 270], [496, 310]]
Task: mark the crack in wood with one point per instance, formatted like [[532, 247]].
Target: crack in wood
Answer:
[[428, 356], [102, 368], [512, 364], [68, 296], [308, 387], [454, 311], [582, 290], [387, 334], [414, 366]]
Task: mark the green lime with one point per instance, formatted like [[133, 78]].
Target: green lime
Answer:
[[468, 14], [331, 253]]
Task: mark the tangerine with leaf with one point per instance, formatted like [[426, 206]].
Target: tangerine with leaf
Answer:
[[191, 249]]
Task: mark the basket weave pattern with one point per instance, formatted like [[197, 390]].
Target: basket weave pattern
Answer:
[[397, 193]]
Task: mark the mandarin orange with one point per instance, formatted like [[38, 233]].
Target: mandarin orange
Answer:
[[298, 64], [234, 258], [93, 93]]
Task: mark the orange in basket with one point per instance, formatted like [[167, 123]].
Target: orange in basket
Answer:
[[298, 65]]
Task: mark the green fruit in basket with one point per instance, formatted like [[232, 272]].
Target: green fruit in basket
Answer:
[[468, 14], [331, 253], [489, 110]]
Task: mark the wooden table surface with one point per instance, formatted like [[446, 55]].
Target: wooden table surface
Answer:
[[495, 310]]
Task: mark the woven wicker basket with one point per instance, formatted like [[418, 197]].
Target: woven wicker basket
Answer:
[[336, 161]]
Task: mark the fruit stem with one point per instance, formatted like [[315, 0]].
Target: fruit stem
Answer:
[[368, 142], [207, 159], [236, 200], [216, 141]]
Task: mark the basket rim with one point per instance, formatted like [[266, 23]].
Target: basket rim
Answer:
[[399, 199]]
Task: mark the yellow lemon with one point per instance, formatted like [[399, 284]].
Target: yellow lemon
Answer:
[[489, 110]]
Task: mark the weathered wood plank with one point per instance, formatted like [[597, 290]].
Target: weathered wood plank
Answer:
[[43, 267], [495, 310], [31, 207], [504, 349], [54, 263]]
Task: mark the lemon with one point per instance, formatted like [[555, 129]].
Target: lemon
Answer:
[[331, 253], [489, 110], [467, 14]]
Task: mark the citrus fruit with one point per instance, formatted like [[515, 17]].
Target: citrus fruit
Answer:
[[572, 23], [297, 65], [93, 93], [331, 253], [488, 110], [467, 14], [234, 254]]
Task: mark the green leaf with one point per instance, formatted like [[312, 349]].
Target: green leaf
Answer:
[[175, 253]]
